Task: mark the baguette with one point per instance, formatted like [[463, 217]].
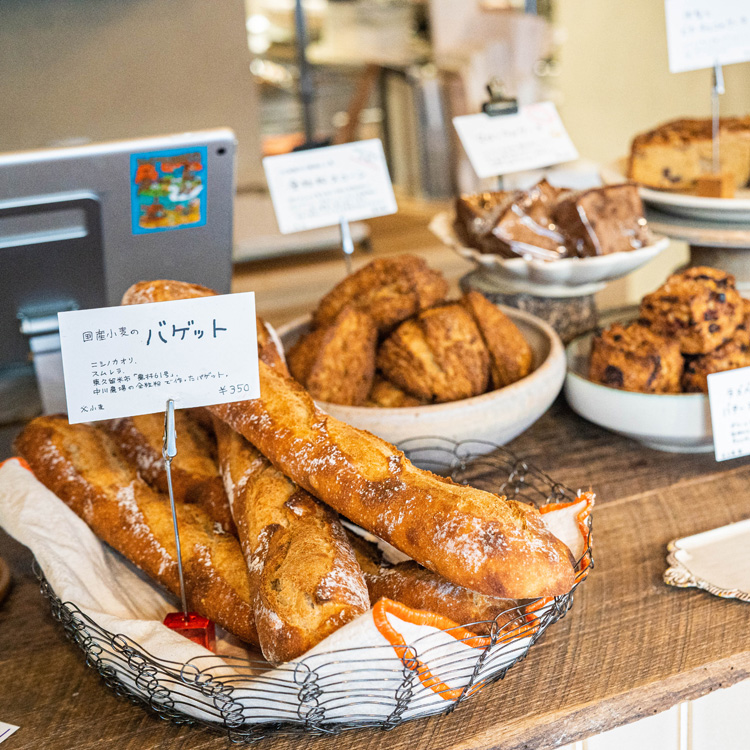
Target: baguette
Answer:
[[484, 542], [419, 588], [82, 465], [298, 556], [195, 473]]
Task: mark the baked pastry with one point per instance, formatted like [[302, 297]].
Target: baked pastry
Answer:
[[488, 543], [699, 307], [195, 473], [510, 353], [634, 358], [337, 363], [299, 559], [729, 356], [549, 223], [602, 220], [83, 466], [389, 290], [674, 155], [419, 588], [386, 395], [437, 356]]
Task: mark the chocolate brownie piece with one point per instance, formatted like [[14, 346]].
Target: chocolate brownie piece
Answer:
[[634, 358], [700, 307], [603, 220]]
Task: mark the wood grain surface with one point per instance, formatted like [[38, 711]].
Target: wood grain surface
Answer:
[[630, 647]]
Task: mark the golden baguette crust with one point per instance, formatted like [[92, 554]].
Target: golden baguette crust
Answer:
[[195, 473], [485, 542], [82, 465], [299, 558], [419, 588], [488, 543]]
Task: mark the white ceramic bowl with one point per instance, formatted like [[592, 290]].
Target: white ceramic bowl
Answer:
[[570, 272], [498, 416], [679, 423]]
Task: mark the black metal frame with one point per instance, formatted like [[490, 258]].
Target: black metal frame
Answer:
[[315, 693]]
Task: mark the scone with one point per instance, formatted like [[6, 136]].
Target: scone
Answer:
[[510, 353], [634, 358], [699, 307], [386, 395], [337, 363], [389, 290], [729, 356], [437, 356]]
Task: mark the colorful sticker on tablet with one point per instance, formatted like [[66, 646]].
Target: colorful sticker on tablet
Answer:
[[168, 189]]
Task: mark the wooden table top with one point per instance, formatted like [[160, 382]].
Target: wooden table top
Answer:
[[630, 647]]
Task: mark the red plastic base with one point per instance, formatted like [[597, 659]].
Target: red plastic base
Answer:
[[194, 627]]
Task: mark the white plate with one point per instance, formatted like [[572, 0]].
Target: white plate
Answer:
[[690, 206], [570, 272], [717, 561], [498, 416], [679, 423]]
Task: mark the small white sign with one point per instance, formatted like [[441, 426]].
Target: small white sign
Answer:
[[129, 360], [534, 137], [321, 186], [703, 33], [6, 730], [729, 399]]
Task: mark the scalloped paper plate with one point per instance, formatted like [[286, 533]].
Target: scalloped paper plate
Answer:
[[717, 561], [569, 272]]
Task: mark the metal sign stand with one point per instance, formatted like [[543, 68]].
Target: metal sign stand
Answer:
[[717, 88], [193, 626], [499, 104]]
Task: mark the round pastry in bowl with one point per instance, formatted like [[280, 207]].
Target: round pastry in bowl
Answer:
[[497, 416], [668, 421]]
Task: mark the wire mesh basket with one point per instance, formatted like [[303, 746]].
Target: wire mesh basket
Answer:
[[328, 691]]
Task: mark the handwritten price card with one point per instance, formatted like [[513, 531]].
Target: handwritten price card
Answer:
[[124, 361], [533, 138], [729, 399], [702, 33], [321, 186]]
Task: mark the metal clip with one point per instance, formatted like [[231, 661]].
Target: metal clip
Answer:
[[169, 451], [499, 103], [347, 244], [717, 88]]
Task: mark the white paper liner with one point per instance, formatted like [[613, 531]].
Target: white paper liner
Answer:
[[354, 669]]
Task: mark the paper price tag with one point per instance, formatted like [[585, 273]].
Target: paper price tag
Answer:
[[729, 400], [6, 730], [703, 33], [533, 138], [124, 361], [321, 186]]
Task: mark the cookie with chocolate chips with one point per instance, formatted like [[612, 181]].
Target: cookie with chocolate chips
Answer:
[[634, 358], [699, 307]]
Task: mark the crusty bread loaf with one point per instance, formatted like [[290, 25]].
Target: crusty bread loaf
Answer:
[[485, 542], [82, 465], [195, 473], [299, 558], [419, 588]]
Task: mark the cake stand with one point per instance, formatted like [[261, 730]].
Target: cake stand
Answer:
[[723, 245]]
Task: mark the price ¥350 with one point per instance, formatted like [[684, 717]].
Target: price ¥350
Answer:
[[233, 390]]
